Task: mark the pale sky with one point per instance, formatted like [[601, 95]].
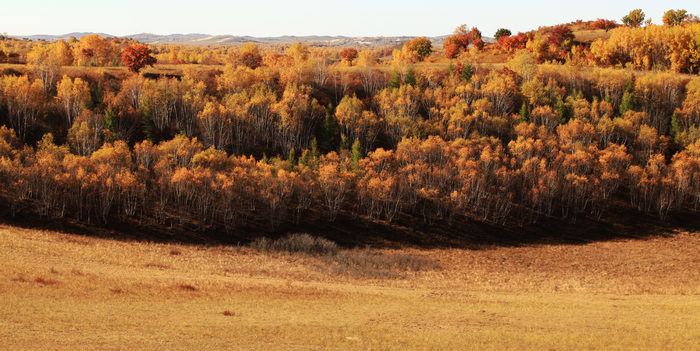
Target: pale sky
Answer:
[[314, 17]]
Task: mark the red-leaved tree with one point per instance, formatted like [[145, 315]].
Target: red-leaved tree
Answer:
[[461, 39], [513, 42], [604, 24], [137, 56], [348, 55]]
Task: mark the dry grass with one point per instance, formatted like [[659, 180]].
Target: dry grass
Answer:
[[61, 291], [297, 243], [590, 35], [379, 265], [356, 262]]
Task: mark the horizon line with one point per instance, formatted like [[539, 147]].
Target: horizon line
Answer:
[[232, 35]]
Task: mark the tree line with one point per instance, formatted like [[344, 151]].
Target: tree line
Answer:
[[504, 146], [296, 134]]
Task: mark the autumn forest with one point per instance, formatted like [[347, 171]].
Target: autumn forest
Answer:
[[562, 123]]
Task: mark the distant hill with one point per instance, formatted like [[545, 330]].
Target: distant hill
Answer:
[[207, 39], [319, 40], [49, 37]]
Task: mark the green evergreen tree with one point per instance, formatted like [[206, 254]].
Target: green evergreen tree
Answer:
[[109, 120], [627, 103], [675, 127], [314, 149], [305, 158], [292, 158], [628, 99], [410, 78], [97, 97], [329, 134], [394, 80], [466, 73], [356, 153], [563, 111], [147, 125], [344, 142], [524, 113]]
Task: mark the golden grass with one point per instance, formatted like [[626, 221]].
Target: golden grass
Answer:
[[590, 35], [62, 291]]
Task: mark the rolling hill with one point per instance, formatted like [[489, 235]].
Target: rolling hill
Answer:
[[208, 39]]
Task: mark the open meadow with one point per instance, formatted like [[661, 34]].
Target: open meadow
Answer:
[[66, 291]]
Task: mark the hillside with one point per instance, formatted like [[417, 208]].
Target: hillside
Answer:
[[198, 39], [65, 291], [473, 143], [292, 176]]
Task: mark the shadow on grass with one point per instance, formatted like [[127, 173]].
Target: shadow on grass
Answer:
[[619, 222]]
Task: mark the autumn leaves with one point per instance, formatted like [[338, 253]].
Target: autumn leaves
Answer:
[[437, 144]]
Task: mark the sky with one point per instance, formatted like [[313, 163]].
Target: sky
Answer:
[[316, 17]]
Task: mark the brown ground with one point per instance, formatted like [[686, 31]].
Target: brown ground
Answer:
[[64, 291]]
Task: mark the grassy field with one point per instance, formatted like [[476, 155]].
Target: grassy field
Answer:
[[64, 291]]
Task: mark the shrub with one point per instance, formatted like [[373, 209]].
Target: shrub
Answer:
[[364, 263], [297, 243], [502, 32], [186, 287]]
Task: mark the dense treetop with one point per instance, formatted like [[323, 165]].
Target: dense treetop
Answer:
[[563, 128]]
